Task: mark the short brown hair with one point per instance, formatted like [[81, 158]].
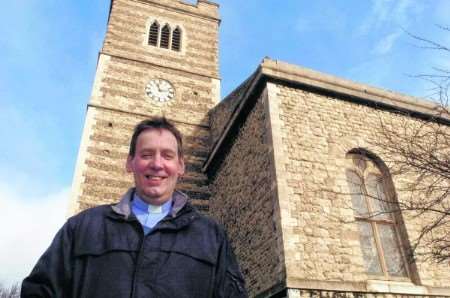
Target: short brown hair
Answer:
[[155, 123]]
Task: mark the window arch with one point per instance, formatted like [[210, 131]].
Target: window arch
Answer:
[[165, 37], [176, 39], [374, 206], [153, 34]]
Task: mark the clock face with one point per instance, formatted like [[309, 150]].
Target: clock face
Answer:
[[160, 90]]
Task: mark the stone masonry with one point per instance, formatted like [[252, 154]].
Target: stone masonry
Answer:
[[257, 161], [286, 139], [244, 200]]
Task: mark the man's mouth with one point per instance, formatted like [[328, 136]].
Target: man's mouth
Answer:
[[154, 178]]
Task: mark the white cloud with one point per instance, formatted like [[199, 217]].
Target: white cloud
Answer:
[[389, 13], [402, 11], [27, 227], [376, 17], [385, 45], [386, 21]]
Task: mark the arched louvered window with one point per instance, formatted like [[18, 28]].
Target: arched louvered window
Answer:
[[374, 213], [165, 37], [176, 39], [153, 34]]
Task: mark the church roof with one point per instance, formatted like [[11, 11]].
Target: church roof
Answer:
[[236, 106]]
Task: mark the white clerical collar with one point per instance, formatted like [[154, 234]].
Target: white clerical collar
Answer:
[[149, 208]]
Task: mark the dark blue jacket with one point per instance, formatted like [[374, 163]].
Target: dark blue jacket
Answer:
[[102, 252]]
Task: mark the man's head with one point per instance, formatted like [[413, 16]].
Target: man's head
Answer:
[[155, 159]]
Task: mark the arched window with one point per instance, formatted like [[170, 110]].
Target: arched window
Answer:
[[374, 213], [165, 37], [153, 34], [176, 39]]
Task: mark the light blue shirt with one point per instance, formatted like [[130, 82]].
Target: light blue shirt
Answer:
[[149, 215]]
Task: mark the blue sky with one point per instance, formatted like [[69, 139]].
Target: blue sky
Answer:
[[48, 56]]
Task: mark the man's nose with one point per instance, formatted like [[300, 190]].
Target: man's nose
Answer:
[[157, 162]]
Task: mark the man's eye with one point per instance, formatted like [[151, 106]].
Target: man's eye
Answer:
[[169, 156]]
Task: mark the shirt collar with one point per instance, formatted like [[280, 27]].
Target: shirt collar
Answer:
[[123, 207], [149, 208]]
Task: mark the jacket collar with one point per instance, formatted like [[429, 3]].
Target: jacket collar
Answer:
[[123, 208]]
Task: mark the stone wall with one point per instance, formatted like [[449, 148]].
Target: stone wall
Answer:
[[315, 132], [223, 112], [244, 200]]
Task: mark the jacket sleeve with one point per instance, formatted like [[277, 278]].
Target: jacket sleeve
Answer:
[[229, 279], [51, 275]]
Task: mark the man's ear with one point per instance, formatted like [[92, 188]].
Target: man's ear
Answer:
[[129, 165], [182, 167]]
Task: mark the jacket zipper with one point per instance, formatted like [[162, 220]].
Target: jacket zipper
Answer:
[[138, 261]]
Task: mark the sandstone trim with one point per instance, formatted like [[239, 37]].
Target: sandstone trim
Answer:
[[80, 166], [275, 141]]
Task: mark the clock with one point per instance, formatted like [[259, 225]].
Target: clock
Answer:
[[160, 90]]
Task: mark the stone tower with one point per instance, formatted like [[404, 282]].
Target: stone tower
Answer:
[[159, 57]]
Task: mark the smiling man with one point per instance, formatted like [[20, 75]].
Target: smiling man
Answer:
[[152, 243]]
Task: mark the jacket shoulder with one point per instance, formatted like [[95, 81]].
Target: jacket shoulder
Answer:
[[93, 211], [89, 216], [209, 224]]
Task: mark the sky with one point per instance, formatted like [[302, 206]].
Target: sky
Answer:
[[48, 59]]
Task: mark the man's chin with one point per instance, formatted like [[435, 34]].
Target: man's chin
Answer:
[[154, 197]]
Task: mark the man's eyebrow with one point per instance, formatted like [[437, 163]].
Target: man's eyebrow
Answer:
[[145, 150], [168, 150]]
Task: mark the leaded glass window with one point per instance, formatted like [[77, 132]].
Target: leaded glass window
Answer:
[[374, 213]]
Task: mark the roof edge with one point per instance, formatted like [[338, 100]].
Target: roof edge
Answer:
[[292, 73]]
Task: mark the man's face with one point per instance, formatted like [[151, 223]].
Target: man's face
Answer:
[[156, 165]]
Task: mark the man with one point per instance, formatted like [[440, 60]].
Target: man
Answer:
[[153, 243]]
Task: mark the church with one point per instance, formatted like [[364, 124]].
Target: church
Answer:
[[258, 159]]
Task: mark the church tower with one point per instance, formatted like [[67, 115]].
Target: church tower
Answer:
[[159, 58]]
